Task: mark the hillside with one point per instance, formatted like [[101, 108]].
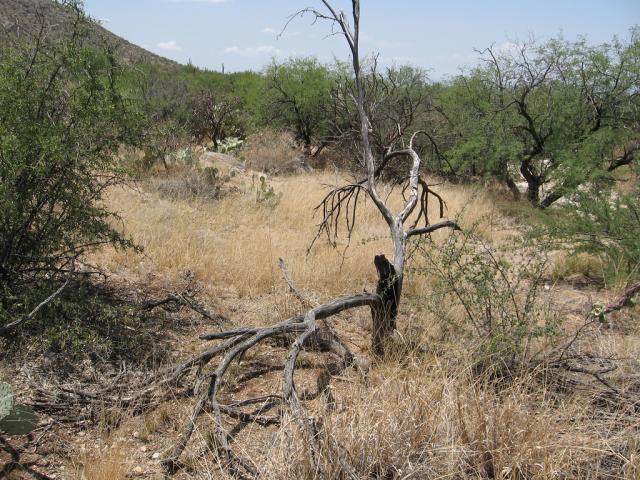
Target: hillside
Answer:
[[22, 18]]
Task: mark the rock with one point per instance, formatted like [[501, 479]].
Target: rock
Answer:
[[138, 470], [136, 434], [143, 448], [155, 456]]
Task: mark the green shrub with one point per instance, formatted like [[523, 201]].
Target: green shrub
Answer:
[[490, 296], [62, 122], [603, 224]]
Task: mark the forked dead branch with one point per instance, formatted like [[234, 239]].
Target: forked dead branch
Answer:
[[312, 330]]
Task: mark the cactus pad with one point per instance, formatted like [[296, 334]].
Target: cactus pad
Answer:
[[6, 399], [21, 421]]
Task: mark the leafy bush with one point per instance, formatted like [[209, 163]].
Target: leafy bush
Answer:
[[491, 296], [63, 120], [604, 224], [214, 117], [299, 94], [561, 114]]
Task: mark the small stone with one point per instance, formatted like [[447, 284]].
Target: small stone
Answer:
[[138, 470], [136, 434], [143, 448], [81, 434], [155, 456]]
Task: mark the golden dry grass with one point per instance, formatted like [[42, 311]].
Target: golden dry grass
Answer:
[[108, 465], [235, 243], [408, 423], [420, 414], [271, 151]]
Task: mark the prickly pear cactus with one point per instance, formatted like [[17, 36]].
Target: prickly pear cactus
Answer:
[[6, 399], [21, 421], [15, 419]]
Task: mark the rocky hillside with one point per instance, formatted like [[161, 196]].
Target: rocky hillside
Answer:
[[24, 18]]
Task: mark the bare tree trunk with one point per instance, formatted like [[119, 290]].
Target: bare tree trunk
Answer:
[[384, 315]]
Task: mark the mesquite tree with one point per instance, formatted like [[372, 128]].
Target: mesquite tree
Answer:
[[562, 115]]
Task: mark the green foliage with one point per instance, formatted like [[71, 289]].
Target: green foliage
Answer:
[[63, 119], [298, 96], [86, 320], [215, 117], [604, 224], [491, 296], [556, 113], [15, 419]]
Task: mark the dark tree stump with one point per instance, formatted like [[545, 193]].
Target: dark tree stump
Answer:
[[384, 317]]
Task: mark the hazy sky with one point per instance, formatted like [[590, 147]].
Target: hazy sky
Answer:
[[438, 35]]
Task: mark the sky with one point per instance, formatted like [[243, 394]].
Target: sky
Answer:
[[437, 35]]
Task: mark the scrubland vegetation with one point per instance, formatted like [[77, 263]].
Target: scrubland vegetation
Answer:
[[149, 322]]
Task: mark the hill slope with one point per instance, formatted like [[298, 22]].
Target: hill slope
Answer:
[[20, 18]]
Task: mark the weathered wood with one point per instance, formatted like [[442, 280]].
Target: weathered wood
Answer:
[[343, 201], [238, 342], [384, 315]]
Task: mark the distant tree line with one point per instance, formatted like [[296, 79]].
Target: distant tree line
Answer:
[[555, 116]]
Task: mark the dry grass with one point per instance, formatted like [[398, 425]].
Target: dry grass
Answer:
[[271, 151], [108, 465], [427, 421], [577, 267], [420, 414], [235, 243]]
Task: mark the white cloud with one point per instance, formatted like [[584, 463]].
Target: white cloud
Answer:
[[170, 46], [253, 51], [280, 33]]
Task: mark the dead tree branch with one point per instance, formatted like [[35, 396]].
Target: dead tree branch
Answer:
[[630, 292], [240, 341], [342, 202]]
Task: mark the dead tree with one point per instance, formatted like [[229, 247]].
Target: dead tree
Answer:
[[340, 204], [313, 330]]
